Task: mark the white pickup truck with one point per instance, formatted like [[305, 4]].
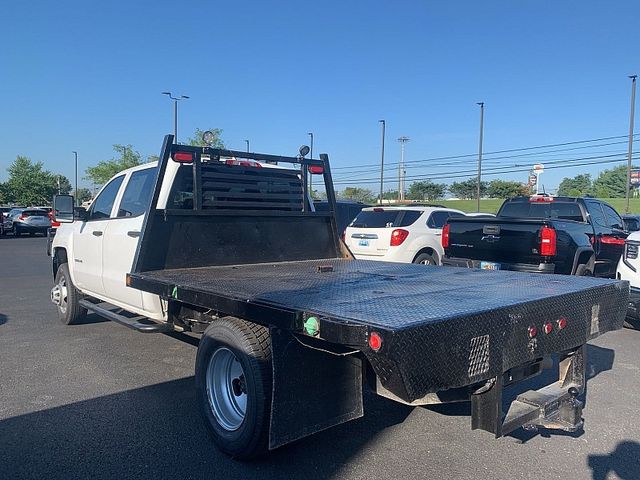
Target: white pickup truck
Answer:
[[293, 327]]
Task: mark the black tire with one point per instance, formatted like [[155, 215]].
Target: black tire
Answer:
[[583, 271], [32, 234], [72, 313], [425, 259], [250, 344]]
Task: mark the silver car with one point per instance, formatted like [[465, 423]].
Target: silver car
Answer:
[[31, 221]]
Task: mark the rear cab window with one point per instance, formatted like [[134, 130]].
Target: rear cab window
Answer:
[[137, 193], [381, 218], [552, 209]]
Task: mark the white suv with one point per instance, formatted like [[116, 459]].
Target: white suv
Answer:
[[629, 269], [399, 234]]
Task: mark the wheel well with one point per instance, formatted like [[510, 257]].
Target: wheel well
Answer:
[[586, 258], [59, 257], [429, 251]]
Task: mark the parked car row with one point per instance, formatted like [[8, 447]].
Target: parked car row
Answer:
[[25, 220]]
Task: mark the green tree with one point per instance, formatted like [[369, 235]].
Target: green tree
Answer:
[[577, 186], [506, 189], [127, 158], [611, 183], [197, 141], [426, 190], [4, 198], [30, 184], [82, 195], [390, 195], [468, 189], [363, 195]]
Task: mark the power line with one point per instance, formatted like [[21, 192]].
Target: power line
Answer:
[[503, 169], [537, 147]]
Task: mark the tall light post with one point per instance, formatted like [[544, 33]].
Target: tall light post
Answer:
[[311, 157], [631, 115], [480, 153], [175, 113], [75, 154], [384, 126], [247, 141], [401, 171]]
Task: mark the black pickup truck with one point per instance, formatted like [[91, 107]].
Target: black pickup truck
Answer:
[[539, 234], [293, 326]]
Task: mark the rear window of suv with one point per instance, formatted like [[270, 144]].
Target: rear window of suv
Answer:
[[385, 218], [560, 210], [34, 213]]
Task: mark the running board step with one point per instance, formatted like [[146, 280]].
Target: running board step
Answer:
[[130, 322]]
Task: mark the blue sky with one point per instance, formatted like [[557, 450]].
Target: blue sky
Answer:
[[85, 75]]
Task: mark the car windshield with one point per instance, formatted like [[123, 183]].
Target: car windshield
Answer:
[[381, 218]]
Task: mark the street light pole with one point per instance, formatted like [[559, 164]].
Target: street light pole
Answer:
[[631, 115], [401, 172], [311, 157], [76, 170], [247, 145], [384, 126], [480, 153], [175, 112]]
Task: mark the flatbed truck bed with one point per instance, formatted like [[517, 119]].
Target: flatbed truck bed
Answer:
[[294, 327]]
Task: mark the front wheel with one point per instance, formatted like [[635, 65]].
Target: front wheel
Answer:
[[583, 271], [425, 259], [233, 385], [67, 298]]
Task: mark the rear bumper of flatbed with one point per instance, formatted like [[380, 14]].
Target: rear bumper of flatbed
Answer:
[[440, 328]]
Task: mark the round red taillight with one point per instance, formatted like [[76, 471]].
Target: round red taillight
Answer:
[[548, 328], [533, 331], [562, 323], [375, 341]]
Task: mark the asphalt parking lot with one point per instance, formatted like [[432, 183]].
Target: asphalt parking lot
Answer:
[[100, 401]]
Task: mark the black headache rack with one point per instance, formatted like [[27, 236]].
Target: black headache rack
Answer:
[[440, 334]]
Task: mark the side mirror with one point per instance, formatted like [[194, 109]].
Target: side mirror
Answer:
[[63, 208], [81, 214]]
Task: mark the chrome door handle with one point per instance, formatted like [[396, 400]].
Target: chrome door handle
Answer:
[[97, 233], [133, 233]]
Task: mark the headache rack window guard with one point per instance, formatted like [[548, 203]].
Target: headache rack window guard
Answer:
[[221, 189]]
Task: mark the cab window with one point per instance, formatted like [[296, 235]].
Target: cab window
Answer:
[[137, 193], [613, 219], [103, 204]]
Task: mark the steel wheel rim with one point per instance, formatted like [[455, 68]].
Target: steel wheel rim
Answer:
[[226, 389], [62, 288], [427, 262]]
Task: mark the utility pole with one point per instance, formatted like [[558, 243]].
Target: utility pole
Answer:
[[633, 105], [480, 153], [311, 156], [175, 113], [247, 141], [401, 171], [75, 154], [384, 126]]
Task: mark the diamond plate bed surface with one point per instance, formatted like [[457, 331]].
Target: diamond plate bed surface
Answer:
[[387, 295]]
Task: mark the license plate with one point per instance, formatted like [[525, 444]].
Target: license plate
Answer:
[[489, 266], [363, 243]]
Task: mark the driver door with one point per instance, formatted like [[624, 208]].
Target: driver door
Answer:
[[88, 239]]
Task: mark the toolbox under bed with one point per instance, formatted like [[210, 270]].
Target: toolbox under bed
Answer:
[[440, 327]]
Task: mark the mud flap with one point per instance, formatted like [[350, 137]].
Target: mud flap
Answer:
[[312, 390]]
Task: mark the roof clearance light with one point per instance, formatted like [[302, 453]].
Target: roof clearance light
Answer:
[[540, 198], [562, 323], [532, 331], [183, 157], [375, 341], [548, 328], [315, 169]]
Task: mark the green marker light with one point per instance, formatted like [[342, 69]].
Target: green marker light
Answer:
[[312, 326]]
